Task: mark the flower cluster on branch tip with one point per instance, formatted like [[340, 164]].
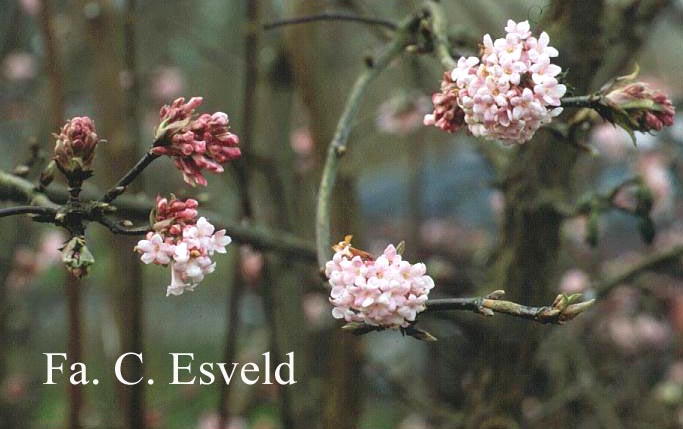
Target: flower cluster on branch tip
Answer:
[[195, 143], [182, 241], [386, 291], [634, 105], [506, 93], [178, 237]]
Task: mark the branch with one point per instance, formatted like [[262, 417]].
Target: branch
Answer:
[[126, 180], [439, 29], [337, 147], [591, 101], [560, 311], [650, 263], [13, 188], [117, 228], [328, 16], [18, 210]]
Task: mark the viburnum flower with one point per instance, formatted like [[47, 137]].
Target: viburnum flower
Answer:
[[385, 291], [75, 147], [179, 240], [195, 143], [507, 93], [646, 109]]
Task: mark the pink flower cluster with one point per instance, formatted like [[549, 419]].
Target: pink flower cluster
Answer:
[[386, 291], [204, 142], [648, 109], [76, 143], [507, 93], [182, 241]]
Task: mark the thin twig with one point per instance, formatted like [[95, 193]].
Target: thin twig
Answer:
[[13, 188], [337, 147], [650, 263], [590, 101], [439, 30], [557, 313], [116, 228], [19, 210], [329, 16], [126, 180]]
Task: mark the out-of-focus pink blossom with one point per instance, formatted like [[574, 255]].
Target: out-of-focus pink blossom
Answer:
[[185, 243], [195, 144], [414, 421], [655, 173], [29, 263], [386, 291], [610, 140], [31, 7], [636, 333], [574, 281], [497, 202], [314, 306], [19, 66], [402, 114], [507, 93], [167, 83], [302, 142], [212, 421], [49, 248], [76, 143], [251, 264], [14, 389]]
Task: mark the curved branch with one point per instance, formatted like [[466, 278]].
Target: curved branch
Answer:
[[650, 263], [18, 210], [439, 29], [328, 16], [337, 147]]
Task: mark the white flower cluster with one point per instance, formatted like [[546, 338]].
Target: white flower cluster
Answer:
[[386, 291], [188, 252]]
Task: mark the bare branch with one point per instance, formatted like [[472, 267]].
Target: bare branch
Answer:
[[329, 16], [126, 180], [19, 210], [562, 310], [337, 146], [650, 263]]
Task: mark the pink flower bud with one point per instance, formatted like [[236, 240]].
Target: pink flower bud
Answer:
[[447, 114], [76, 143], [203, 143], [646, 109]]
